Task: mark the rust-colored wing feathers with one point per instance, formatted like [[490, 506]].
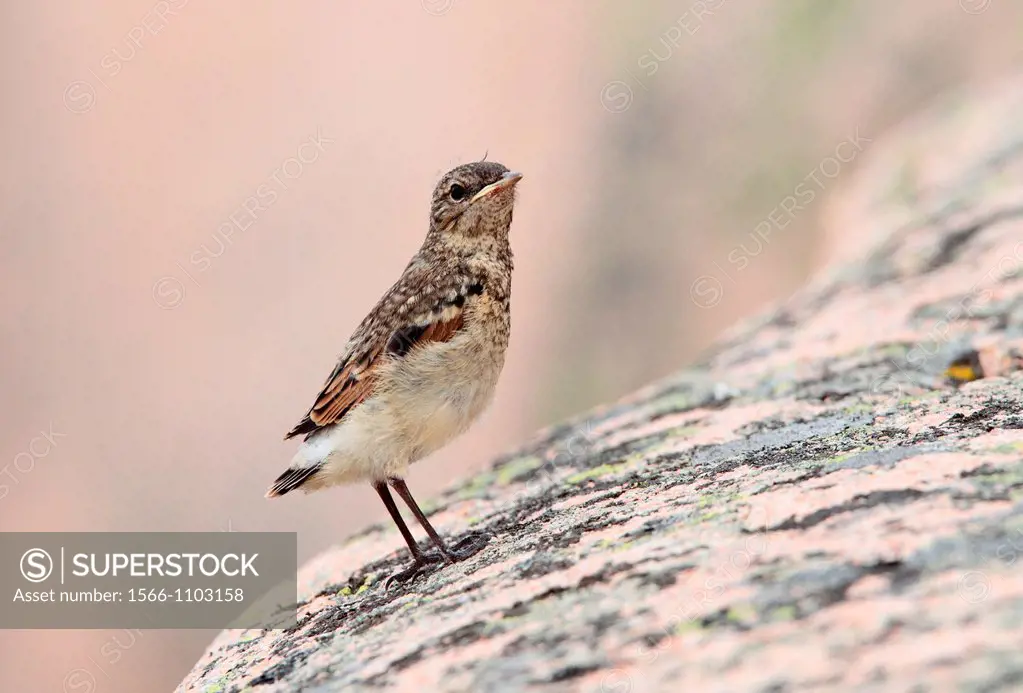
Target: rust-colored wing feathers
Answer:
[[381, 336], [440, 327], [344, 390]]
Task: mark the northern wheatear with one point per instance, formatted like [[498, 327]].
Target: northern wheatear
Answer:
[[424, 363]]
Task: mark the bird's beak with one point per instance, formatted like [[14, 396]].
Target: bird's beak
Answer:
[[507, 180]]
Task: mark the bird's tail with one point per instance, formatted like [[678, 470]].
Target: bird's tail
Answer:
[[291, 479]]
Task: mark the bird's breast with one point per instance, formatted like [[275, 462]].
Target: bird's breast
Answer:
[[436, 391]]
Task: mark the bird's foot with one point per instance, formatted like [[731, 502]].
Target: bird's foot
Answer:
[[467, 547], [418, 567]]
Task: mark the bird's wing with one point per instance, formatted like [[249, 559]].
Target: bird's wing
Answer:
[[424, 306]]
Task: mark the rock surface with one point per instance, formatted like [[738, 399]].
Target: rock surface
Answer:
[[831, 501]]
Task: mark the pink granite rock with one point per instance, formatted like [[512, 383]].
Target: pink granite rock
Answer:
[[817, 506]]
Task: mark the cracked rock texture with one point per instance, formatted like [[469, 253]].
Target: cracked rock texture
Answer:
[[822, 504]]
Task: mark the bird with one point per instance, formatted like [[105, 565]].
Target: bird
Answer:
[[424, 363]]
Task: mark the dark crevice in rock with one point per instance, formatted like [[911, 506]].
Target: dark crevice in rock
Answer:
[[572, 672], [950, 245], [278, 671], [990, 410], [661, 578], [857, 503], [809, 591], [604, 574], [521, 608], [463, 636]]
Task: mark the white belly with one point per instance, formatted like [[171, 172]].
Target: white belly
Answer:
[[423, 401]]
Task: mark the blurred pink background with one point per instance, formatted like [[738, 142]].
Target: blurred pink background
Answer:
[[164, 364]]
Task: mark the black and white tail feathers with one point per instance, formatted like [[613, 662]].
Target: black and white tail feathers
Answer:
[[291, 480]]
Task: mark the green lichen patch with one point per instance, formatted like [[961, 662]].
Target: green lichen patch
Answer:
[[351, 590], [518, 469], [595, 473]]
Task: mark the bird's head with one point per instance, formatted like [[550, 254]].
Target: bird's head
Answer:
[[473, 200]]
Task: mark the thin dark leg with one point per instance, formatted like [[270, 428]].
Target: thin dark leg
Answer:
[[402, 489], [419, 559], [450, 555], [392, 508]]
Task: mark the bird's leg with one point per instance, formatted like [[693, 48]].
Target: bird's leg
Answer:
[[419, 559], [465, 548]]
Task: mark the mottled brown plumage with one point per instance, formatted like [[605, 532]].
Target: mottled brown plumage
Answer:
[[423, 364]]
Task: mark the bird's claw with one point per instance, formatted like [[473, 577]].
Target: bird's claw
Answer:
[[418, 567], [467, 547]]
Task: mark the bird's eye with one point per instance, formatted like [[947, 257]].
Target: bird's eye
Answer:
[[457, 192]]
